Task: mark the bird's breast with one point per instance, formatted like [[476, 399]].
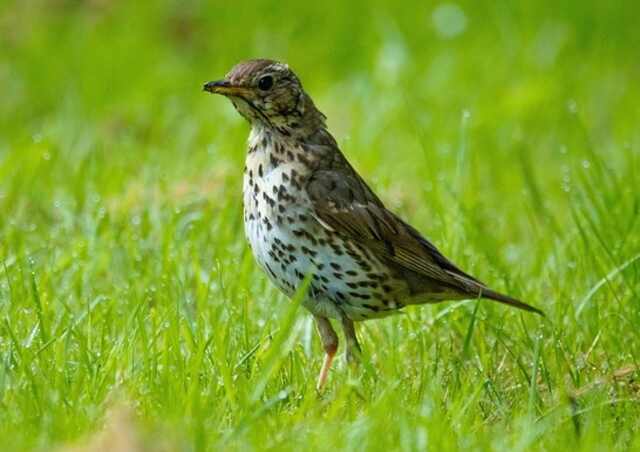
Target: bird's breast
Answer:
[[276, 207], [289, 243]]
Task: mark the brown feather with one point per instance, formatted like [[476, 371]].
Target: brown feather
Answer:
[[345, 204]]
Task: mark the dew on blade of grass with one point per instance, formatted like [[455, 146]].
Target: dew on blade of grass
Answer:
[[566, 178]]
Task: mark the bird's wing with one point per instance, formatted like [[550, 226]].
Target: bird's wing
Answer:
[[344, 204]]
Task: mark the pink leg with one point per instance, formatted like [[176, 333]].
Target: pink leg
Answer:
[[324, 372], [330, 345]]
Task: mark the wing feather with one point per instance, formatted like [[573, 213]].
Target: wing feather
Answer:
[[343, 203]]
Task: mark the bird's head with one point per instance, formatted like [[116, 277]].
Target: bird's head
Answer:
[[268, 94]]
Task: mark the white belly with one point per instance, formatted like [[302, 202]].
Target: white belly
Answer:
[[289, 244]]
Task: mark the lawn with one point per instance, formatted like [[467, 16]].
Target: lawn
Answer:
[[133, 315]]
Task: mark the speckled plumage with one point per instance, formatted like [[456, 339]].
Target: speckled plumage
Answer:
[[306, 211], [289, 241]]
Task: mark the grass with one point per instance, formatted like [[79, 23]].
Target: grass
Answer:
[[508, 135]]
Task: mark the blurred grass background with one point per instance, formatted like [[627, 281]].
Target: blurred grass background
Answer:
[[506, 131]]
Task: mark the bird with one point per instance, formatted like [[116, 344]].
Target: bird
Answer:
[[310, 218]]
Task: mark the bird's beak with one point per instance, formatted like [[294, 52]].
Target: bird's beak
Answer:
[[225, 88]]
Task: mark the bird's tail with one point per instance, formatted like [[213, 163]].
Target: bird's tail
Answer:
[[488, 293]]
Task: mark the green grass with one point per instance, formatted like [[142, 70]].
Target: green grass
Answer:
[[124, 275]]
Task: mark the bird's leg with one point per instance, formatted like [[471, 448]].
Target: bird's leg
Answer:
[[353, 350], [330, 344]]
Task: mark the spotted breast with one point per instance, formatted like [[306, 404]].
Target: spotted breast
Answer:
[[289, 242]]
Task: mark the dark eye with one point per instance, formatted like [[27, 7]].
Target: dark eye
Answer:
[[265, 83]]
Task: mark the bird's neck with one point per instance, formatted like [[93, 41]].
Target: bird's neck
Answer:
[[269, 149], [299, 137], [301, 131], [303, 124]]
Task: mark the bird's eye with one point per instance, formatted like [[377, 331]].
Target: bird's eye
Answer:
[[265, 83]]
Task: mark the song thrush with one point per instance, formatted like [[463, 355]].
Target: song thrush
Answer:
[[308, 212]]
